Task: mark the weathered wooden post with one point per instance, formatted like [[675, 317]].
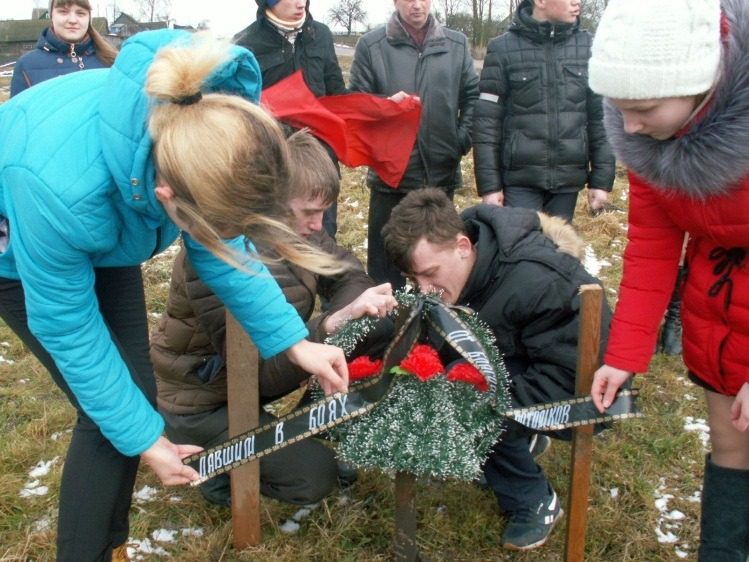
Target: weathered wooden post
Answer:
[[404, 540], [244, 414], [589, 341]]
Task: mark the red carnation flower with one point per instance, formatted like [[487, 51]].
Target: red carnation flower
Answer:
[[423, 362], [363, 367], [465, 372]]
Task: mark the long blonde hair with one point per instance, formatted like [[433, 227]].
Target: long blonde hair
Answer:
[[105, 52], [225, 158]]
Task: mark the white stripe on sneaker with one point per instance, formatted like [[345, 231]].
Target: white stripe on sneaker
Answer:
[[553, 504]]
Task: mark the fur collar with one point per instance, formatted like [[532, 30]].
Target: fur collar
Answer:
[[713, 155], [396, 33]]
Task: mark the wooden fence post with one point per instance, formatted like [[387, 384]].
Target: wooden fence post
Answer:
[[589, 341], [244, 414], [404, 540]]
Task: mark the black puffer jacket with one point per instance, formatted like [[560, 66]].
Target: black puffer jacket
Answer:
[[527, 290], [313, 52], [442, 74], [537, 124]]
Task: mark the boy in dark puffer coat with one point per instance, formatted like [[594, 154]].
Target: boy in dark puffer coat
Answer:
[[520, 271]]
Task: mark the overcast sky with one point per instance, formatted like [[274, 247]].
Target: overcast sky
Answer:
[[226, 17]]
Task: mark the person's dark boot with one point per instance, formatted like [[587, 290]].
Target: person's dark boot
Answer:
[[669, 341], [724, 527]]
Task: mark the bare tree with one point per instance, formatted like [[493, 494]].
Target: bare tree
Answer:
[[591, 12], [155, 10], [347, 13], [479, 7], [450, 7]]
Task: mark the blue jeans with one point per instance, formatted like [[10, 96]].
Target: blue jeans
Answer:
[[517, 481]]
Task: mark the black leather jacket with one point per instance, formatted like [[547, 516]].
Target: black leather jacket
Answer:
[[537, 123], [442, 74]]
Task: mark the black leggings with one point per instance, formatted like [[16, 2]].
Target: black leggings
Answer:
[[97, 481]]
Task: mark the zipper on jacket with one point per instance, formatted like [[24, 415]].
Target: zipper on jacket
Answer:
[[422, 154], [553, 110]]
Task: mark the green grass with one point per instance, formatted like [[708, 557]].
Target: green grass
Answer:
[[457, 521]]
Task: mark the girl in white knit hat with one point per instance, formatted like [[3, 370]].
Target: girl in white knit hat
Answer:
[[675, 75]]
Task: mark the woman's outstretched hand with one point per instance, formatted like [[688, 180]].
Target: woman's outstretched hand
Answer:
[[165, 459], [326, 362], [606, 381]]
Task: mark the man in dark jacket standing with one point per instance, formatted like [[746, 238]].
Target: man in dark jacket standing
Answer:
[[284, 38], [414, 55], [515, 269], [538, 135]]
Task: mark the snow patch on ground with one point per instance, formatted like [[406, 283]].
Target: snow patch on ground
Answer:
[[669, 523], [31, 489], [700, 426], [145, 494], [137, 550], [291, 526], [33, 486], [42, 525], [42, 468], [592, 264]]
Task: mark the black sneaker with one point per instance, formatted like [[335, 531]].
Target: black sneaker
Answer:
[[529, 529], [539, 444]]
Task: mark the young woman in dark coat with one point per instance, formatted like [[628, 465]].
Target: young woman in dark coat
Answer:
[[69, 44]]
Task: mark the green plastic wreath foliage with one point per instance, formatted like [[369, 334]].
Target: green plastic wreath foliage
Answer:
[[436, 420]]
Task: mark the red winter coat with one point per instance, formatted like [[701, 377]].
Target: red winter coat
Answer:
[[697, 182]]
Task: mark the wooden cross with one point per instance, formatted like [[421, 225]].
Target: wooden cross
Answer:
[[242, 364], [244, 408]]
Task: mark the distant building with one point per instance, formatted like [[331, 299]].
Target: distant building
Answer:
[[126, 26], [20, 36]]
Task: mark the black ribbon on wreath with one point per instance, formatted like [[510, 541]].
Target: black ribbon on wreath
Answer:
[[427, 317]]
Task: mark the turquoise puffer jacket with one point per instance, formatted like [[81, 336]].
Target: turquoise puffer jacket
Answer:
[[77, 192]]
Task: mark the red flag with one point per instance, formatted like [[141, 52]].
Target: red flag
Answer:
[[362, 129]]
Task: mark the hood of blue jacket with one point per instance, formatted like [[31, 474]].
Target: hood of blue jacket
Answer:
[[124, 110]]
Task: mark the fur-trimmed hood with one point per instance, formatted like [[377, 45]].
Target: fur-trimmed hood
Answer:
[[713, 155], [563, 235]]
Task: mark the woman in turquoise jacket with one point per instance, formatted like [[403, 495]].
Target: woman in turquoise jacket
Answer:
[[100, 170]]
